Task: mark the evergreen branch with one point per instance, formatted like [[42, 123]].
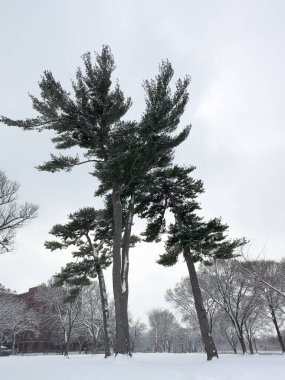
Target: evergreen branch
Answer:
[[65, 163]]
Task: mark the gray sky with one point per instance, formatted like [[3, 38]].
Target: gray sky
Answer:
[[234, 52]]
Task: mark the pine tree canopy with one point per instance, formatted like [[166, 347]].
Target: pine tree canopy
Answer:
[[174, 189], [91, 119], [89, 233], [155, 194]]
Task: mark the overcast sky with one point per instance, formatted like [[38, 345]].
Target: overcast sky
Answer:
[[234, 52]]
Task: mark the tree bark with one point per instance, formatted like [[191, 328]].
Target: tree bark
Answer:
[[125, 271], [250, 346], [249, 340], [13, 345], [242, 342], [208, 341], [239, 333], [232, 344], [94, 345], [67, 343], [207, 338], [280, 338], [122, 345], [105, 311], [108, 345]]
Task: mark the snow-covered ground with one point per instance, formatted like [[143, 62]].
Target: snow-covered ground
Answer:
[[143, 367]]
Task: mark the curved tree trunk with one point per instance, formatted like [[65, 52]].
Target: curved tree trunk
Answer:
[[208, 341]]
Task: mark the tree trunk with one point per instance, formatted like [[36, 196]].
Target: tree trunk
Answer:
[[156, 341], [232, 344], [255, 346], [239, 333], [250, 346], [168, 347], [249, 340], [67, 336], [280, 338], [120, 297], [125, 270], [94, 345], [207, 338], [13, 345], [208, 341], [67, 343], [242, 342], [105, 310]]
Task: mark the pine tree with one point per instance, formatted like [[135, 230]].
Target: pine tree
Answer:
[[122, 152], [89, 233], [198, 241]]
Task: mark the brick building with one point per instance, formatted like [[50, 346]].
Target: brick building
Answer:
[[44, 340]]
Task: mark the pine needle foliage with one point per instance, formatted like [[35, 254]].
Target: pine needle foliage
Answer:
[[176, 190]]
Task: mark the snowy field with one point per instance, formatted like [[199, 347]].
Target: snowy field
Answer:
[[143, 367]]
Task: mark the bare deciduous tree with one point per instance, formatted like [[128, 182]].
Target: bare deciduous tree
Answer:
[[181, 297], [12, 215], [227, 331], [271, 272], [16, 318], [137, 332], [234, 293], [91, 314], [60, 310], [162, 324]]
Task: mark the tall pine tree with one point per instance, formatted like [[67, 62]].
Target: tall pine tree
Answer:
[[122, 152], [198, 241], [88, 231]]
